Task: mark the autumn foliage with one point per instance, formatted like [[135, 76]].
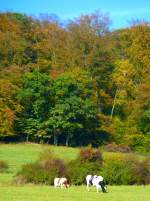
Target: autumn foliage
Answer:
[[74, 84]]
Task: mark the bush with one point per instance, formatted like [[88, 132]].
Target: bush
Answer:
[[89, 161], [140, 170], [126, 170], [142, 144], [3, 166], [90, 155], [19, 180], [43, 171], [78, 171], [117, 148], [117, 172], [145, 172]]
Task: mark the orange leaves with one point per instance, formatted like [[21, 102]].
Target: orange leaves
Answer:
[[6, 23], [8, 107], [9, 116]]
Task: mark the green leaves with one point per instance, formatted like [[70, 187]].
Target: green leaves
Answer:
[[36, 98], [144, 122], [53, 107], [72, 109]]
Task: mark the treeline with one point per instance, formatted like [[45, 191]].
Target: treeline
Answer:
[[74, 84]]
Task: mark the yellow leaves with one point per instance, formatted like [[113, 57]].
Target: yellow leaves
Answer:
[[121, 96], [7, 91], [140, 47], [123, 78], [7, 25], [124, 73], [7, 117], [143, 92], [8, 106]]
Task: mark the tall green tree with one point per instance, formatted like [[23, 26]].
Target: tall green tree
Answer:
[[36, 99], [74, 107]]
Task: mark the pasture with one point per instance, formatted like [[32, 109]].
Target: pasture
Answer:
[[19, 154], [46, 193]]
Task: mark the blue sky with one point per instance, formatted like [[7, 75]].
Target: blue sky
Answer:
[[120, 11]]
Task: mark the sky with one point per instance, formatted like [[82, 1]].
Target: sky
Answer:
[[121, 12]]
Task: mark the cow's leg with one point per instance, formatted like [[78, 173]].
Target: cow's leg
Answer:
[[97, 187], [87, 186], [55, 185]]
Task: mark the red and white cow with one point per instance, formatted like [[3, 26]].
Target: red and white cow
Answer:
[[61, 182]]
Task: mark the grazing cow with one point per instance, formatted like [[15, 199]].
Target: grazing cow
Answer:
[[97, 181], [61, 182]]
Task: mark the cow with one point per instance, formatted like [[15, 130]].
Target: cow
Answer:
[[97, 181], [61, 182]]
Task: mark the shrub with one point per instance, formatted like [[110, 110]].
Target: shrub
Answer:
[[44, 170], [117, 172], [78, 171], [49, 162], [142, 144], [90, 155], [117, 148], [145, 173], [19, 180], [126, 170], [3, 166], [140, 169], [89, 161]]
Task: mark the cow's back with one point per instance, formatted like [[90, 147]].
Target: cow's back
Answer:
[[61, 182], [56, 182]]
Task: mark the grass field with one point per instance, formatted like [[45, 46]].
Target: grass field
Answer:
[[46, 193], [18, 154]]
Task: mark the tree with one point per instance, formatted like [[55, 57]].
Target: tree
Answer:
[[36, 99], [73, 110], [123, 80], [9, 108], [92, 51]]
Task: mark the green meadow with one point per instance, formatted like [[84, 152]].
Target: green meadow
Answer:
[[46, 193], [18, 154]]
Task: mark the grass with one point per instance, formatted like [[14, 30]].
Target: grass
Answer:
[[46, 193], [18, 154]]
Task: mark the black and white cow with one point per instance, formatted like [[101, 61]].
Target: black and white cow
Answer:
[[97, 181]]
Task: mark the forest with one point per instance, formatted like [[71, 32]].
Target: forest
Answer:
[[75, 83]]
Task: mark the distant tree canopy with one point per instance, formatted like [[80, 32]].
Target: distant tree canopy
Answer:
[[74, 84]]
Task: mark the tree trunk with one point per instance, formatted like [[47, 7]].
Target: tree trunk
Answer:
[[114, 103], [55, 140], [41, 141], [27, 138], [48, 141], [67, 140]]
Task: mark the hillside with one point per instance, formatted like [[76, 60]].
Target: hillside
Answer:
[[74, 84], [18, 154]]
